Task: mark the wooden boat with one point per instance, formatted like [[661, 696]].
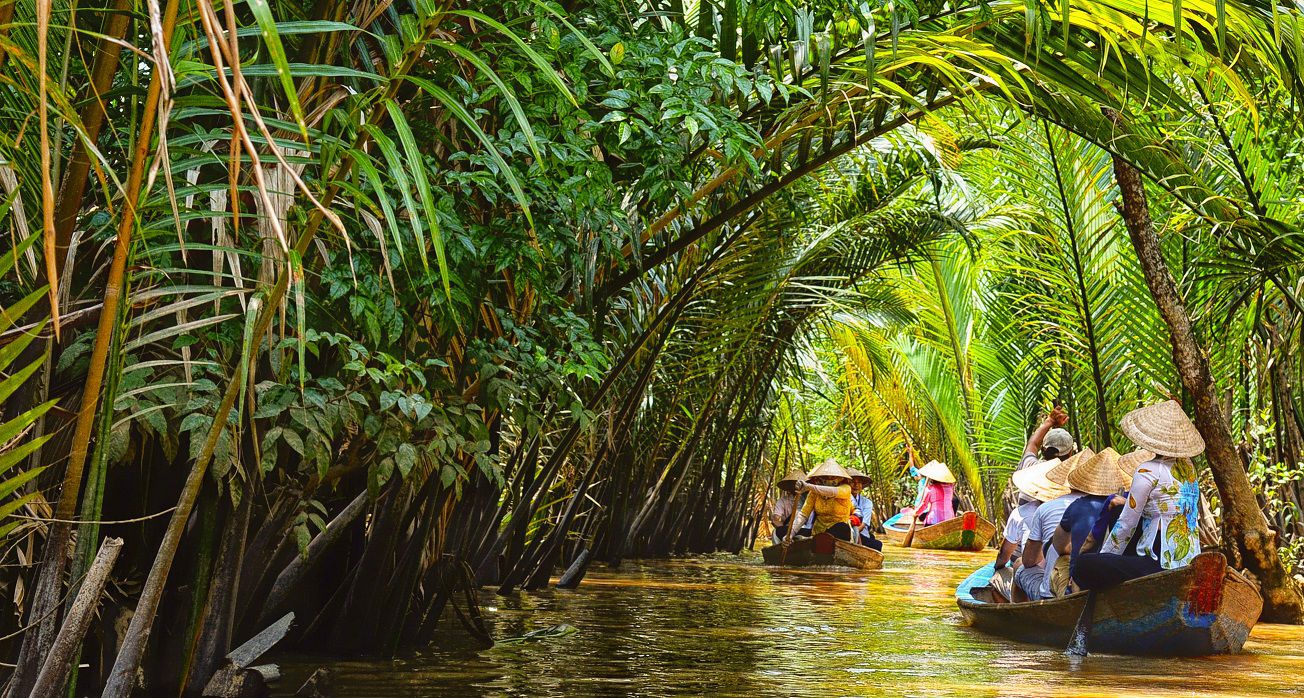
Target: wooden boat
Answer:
[[823, 549], [969, 531], [1202, 609]]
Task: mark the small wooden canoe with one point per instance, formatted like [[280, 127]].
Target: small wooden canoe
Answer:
[[1202, 609], [823, 549], [969, 531]]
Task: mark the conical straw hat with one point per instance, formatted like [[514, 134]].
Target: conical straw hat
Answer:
[[1098, 475], [1059, 475], [1032, 481], [937, 471], [1163, 428], [829, 468], [857, 475], [789, 481], [1127, 464]]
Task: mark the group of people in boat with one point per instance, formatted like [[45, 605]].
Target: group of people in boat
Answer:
[[828, 500], [1083, 519], [1092, 520]]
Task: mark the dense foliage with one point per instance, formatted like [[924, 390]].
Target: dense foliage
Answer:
[[351, 308]]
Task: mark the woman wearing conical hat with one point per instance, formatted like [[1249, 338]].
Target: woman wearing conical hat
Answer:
[[1158, 528], [937, 506], [828, 497], [785, 504]]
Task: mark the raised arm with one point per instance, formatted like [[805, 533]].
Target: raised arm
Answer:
[[1057, 418]]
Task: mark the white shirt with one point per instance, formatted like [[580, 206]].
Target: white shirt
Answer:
[[1041, 528], [1016, 528], [782, 508]]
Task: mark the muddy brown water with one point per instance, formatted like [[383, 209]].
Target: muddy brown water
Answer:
[[729, 626]]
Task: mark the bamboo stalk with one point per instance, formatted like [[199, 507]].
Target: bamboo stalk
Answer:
[[46, 597]]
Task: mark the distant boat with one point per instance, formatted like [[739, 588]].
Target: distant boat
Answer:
[[823, 549], [1202, 609], [968, 531]]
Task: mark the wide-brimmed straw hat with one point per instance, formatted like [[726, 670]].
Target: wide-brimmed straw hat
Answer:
[[857, 475], [829, 468], [1127, 463], [1059, 475], [1032, 481], [1098, 475], [1163, 428], [789, 481], [938, 472]]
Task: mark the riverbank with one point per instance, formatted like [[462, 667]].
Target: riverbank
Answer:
[[725, 625]]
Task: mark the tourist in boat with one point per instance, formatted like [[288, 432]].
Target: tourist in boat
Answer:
[[1049, 440], [1033, 577], [1099, 479], [1158, 527], [785, 504], [862, 511], [1032, 484], [828, 498], [1127, 466], [938, 504]]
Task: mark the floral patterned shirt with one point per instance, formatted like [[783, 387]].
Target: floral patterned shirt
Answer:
[[1164, 501]]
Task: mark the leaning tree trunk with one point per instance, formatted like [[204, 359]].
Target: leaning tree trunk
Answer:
[[1248, 540]]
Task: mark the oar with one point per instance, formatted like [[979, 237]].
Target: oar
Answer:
[[787, 539], [910, 532], [1080, 641]]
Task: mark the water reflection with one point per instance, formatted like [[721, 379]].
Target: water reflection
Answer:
[[730, 627]]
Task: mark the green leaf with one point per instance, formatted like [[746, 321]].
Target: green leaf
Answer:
[[423, 190], [405, 459], [272, 38], [467, 120]]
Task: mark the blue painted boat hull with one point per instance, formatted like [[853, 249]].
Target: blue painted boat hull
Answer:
[[1203, 609]]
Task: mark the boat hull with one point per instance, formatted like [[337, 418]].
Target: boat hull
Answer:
[[1199, 610], [823, 549], [951, 534]]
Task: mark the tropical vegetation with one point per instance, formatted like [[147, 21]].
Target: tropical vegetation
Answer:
[[352, 309]]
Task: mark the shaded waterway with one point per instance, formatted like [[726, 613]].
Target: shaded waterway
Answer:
[[728, 626]]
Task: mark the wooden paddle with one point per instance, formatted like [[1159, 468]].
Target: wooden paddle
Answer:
[[910, 532], [787, 539], [1080, 640]]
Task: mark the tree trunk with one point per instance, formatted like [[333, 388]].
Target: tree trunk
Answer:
[[1249, 541]]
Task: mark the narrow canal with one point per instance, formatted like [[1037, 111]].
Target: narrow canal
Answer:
[[729, 626]]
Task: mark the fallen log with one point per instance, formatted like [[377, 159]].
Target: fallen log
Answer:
[[58, 664], [238, 678]]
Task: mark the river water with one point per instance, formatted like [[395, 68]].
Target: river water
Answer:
[[728, 626]]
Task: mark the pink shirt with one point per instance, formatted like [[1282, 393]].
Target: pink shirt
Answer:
[[937, 500]]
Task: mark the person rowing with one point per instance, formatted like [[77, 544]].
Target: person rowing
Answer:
[[785, 505], [937, 505], [1158, 527], [828, 497]]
